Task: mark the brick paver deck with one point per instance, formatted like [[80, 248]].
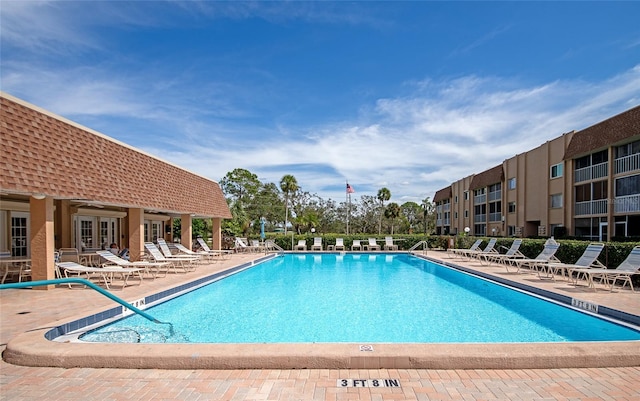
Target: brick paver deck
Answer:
[[25, 310]]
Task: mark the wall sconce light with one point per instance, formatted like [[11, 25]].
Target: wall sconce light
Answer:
[[39, 196]]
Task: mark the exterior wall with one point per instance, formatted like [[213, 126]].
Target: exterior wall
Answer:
[[458, 207]]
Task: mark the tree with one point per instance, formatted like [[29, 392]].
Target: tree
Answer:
[[288, 185], [427, 214], [383, 195], [392, 212], [412, 213], [240, 185]]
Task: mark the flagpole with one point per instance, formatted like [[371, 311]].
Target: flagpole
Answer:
[[348, 206]]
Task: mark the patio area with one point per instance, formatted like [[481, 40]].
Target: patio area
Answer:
[[27, 310]]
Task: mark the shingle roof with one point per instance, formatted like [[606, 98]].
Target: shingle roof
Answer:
[[44, 153], [487, 177], [602, 135], [442, 194]]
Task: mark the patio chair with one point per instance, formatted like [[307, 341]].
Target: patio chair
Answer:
[[589, 259], [225, 254], [339, 246], [389, 245], [512, 252], [185, 263], [546, 255], [356, 245], [166, 251], [461, 251], [152, 268], [626, 269], [317, 244], [302, 246], [372, 245], [188, 252], [489, 249], [106, 274], [257, 247], [241, 245]]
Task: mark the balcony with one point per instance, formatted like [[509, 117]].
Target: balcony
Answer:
[[446, 207], [627, 163], [480, 218], [626, 204], [479, 199], [494, 196], [591, 207], [592, 172], [443, 222], [495, 216]]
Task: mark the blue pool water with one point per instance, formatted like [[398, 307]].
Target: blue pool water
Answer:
[[360, 298]]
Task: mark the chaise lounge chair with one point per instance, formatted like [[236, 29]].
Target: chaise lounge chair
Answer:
[[545, 256], [225, 254], [106, 274], [356, 245], [488, 250], [513, 253], [185, 263], [339, 246], [461, 251], [164, 248], [302, 246], [152, 268], [372, 245], [389, 245], [317, 244], [589, 259], [626, 269]]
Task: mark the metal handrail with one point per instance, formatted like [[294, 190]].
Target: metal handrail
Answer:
[[72, 280], [425, 246]]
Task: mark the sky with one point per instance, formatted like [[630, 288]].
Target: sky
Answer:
[[409, 96]]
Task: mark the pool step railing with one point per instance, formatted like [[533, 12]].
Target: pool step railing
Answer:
[[423, 243], [73, 280], [271, 246]]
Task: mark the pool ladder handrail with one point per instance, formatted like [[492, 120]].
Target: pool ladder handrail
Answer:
[[73, 280], [425, 247], [269, 245]]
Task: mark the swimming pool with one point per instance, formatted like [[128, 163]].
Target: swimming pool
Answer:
[[360, 298]]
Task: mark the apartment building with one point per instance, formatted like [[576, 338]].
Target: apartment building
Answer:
[[584, 184]]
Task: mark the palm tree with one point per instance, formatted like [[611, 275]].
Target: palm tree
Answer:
[[392, 212], [383, 195], [288, 185]]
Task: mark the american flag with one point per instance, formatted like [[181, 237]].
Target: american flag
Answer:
[[350, 189]]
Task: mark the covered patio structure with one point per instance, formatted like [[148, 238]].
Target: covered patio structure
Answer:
[[63, 185]]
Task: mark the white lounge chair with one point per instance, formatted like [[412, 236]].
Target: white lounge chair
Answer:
[[389, 245], [339, 246], [461, 251], [185, 263], [225, 254], [372, 245], [166, 251], [152, 268], [106, 274], [512, 252], [211, 257], [545, 256], [629, 267], [317, 244], [356, 245], [302, 246], [488, 250], [589, 259]]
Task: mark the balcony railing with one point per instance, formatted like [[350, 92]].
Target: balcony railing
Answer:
[[446, 207], [592, 172], [627, 163], [443, 222], [479, 199], [591, 207], [495, 216], [625, 204], [493, 196], [480, 218]]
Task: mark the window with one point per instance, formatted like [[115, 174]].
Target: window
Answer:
[[511, 183], [628, 149], [512, 207], [455, 215], [466, 195], [556, 170], [556, 201], [456, 199], [466, 214], [628, 185]]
